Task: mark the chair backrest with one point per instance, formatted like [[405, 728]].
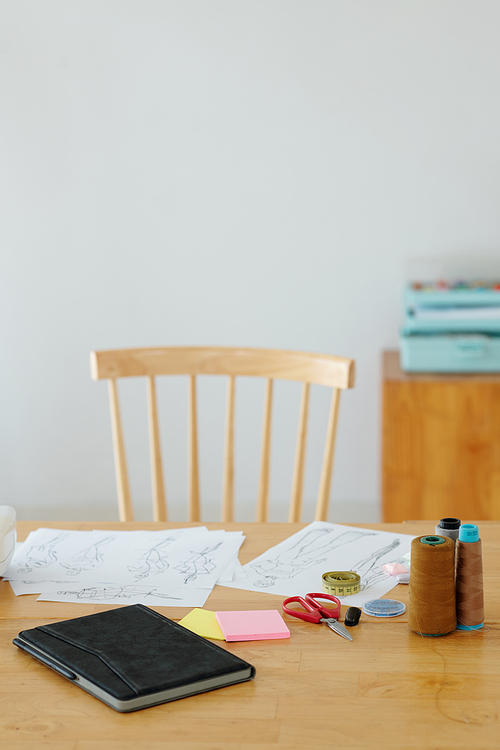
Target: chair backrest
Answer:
[[271, 364]]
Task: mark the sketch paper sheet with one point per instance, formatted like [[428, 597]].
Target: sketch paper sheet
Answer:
[[295, 566], [114, 594], [66, 555], [233, 571], [160, 566]]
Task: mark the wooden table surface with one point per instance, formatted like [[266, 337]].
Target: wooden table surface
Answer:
[[390, 688]]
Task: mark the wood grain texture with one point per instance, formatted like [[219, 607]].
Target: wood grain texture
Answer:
[[441, 445], [394, 689], [324, 369], [319, 369]]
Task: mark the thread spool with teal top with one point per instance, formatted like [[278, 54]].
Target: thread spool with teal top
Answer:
[[469, 585], [432, 604]]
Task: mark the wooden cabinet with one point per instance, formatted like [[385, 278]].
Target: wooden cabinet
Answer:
[[440, 444]]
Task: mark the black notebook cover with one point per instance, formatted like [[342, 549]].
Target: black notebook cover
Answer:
[[133, 657]]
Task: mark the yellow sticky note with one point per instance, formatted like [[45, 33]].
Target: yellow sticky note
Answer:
[[203, 622]]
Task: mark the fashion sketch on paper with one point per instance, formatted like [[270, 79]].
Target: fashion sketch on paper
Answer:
[[310, 550], [199, 564], [88, 559], [117, 592], [41, 555], [153, 560], [368, 570]]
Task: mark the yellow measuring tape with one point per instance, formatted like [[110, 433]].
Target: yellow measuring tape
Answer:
[[341, 583]]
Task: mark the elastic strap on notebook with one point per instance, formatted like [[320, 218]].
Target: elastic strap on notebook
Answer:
[[71, 642], [45, 659]]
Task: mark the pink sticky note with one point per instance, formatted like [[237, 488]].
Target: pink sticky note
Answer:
[[253, 625]]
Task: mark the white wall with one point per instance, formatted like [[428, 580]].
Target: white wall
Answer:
[[233, 172]]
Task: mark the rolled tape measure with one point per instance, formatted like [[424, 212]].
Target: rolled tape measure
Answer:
[[341, 583]]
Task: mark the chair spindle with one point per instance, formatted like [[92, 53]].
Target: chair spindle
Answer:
[[125, 508], [300, 458], [263, 498], [158, 485], [228, 498], [194, 482], [326, 471]]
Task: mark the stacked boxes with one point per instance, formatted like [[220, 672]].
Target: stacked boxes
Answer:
[[451, 327]]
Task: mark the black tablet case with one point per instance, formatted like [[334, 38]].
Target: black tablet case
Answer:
[[134, 651]]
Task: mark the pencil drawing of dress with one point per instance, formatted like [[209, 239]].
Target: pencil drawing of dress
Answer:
[[41, 555], [306, 552]]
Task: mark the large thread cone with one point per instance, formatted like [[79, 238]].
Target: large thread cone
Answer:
[[432, 608]]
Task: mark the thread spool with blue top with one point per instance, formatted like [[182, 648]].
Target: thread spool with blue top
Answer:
[[469, 579]]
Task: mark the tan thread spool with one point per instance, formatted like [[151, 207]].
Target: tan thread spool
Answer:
[[432, 609], [469, 581]]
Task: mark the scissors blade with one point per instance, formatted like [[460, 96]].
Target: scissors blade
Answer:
[[337, 627]]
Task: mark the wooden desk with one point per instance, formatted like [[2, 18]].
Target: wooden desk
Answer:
[[390, 688], [440, 444]]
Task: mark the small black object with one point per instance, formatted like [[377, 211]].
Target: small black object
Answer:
[[352, 617]]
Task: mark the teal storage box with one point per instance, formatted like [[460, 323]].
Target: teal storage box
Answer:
[[449, 352], [451, 328]]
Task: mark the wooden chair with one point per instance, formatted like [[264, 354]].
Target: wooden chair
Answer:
[[336, 372]]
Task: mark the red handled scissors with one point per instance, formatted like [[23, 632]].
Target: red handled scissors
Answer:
[[314, 611]]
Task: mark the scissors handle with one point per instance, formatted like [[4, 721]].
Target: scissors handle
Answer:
[[312, 599], [311, 614]]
